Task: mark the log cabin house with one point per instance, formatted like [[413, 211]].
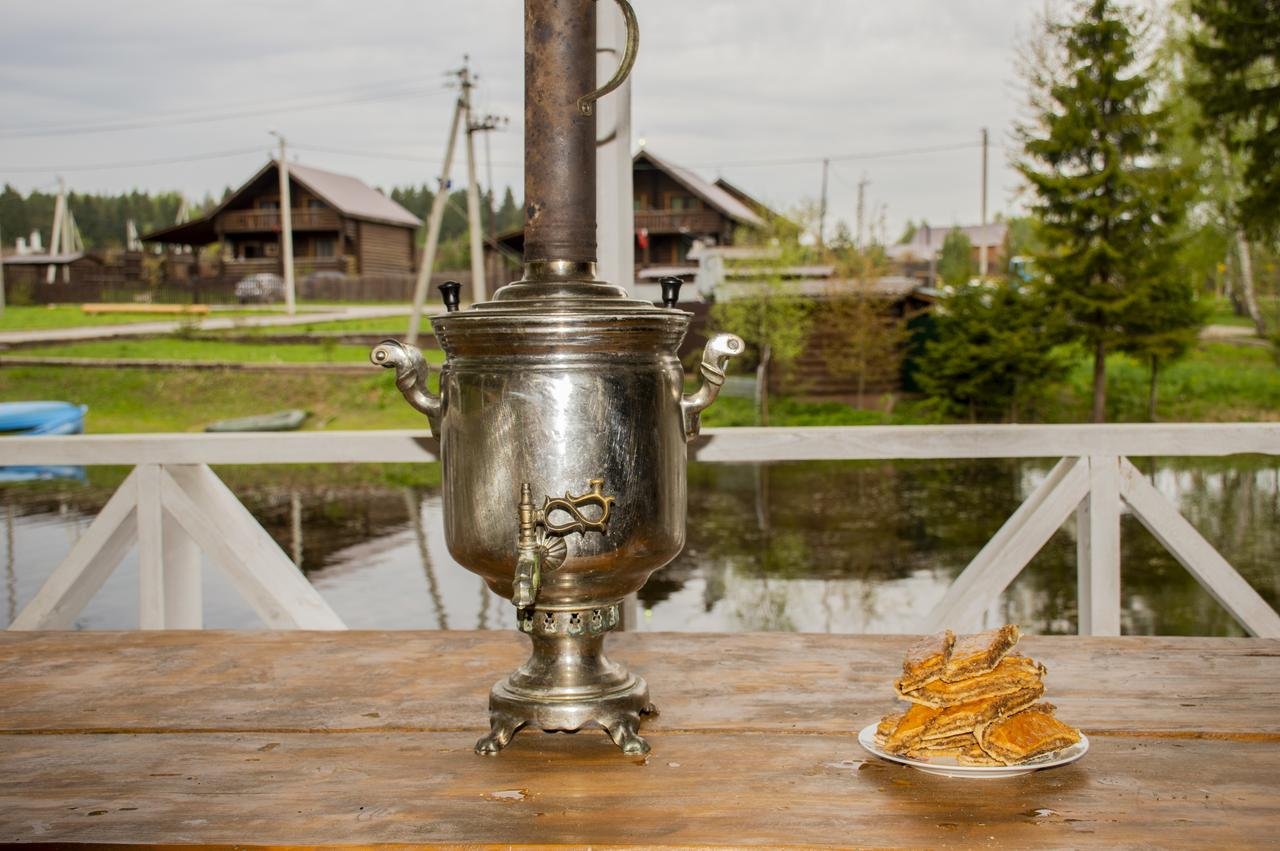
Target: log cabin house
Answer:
[[340, 224], [674, 210]]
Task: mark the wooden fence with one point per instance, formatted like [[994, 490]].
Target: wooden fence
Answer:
[[173, 506]]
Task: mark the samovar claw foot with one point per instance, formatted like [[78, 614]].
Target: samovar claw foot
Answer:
[[624, 732], [502, 727]]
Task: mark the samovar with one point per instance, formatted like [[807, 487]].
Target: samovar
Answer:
[[561, 416]]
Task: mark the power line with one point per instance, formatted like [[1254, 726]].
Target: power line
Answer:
[[385, 155], [213, 155], [865, 155], [185, 118]]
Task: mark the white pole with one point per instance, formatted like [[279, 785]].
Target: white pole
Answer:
[[55, 237], [982, 250], [615, 210], [433, 230], [286, 228], [479, 292]]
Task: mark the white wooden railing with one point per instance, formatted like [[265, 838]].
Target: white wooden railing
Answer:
[[173, 506]]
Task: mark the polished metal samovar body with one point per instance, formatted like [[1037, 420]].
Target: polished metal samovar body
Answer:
[[562, 421]]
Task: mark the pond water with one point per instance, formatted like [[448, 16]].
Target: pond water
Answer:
[[812, 547]]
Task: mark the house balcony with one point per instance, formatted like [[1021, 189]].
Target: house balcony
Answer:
[[257, 221], [679, 221]]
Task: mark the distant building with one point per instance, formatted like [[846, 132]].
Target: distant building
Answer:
[[918, 255], [340, 224], [32, 270], [675, 210]]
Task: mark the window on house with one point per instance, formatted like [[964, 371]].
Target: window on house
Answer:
[[641, 202], [315, 204], [268, 205], [323, 247], [681, 202]]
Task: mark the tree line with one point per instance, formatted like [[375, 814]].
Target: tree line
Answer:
[[102, 218]]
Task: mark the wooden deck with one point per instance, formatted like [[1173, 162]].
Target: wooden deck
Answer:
[[317, 738]]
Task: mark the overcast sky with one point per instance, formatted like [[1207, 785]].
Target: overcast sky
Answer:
[[723, 86]]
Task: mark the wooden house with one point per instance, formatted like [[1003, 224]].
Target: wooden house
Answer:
[[340, 224], [675, 209]]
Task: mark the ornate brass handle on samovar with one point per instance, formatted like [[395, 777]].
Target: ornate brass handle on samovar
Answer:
[[544, 547]]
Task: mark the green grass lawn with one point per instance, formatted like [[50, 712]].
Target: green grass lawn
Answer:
[[387, 324], [40, 318], [182, 348], [1224, 314], [1217, 382]]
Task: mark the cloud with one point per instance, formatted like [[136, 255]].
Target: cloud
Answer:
[[717, 82]]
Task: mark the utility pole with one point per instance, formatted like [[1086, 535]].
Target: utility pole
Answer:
[[286, 227], [862, 188], [822, 207], [479, 292], [1, 273], [486, 124], [438, 205], [59, 224], [982, 249]]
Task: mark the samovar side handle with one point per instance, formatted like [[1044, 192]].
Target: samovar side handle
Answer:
[[715, 357], [411, 377]]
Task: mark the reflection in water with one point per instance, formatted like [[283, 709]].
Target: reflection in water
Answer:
[[814, 547]]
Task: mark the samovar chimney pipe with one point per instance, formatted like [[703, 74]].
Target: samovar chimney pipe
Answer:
[[559, 139]]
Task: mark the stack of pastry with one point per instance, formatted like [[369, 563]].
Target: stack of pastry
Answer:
[[973, 700]]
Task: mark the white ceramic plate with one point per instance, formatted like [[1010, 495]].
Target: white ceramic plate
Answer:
[[948, 767]]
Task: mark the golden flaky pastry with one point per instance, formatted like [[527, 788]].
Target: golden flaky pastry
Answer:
[[1013, 674], [976, 654], [925, 660], [968, 717], [1026, 735], [909, 729]]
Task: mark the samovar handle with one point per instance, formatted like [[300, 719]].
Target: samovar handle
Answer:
[[715, 357], [411, 377], [586, 103]]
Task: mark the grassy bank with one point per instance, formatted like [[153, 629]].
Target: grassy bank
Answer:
[[1218, 382]]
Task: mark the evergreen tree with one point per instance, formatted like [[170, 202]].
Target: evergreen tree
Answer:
[[991, 356], [955, 261], [510, 216], [1239, 47], [1104, 202]]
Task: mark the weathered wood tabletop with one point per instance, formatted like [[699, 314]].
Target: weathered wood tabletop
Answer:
[[315, 738]]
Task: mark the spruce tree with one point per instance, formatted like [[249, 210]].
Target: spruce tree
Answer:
[[991, 355], [1093, 156], [955, 261], [1239, 48]]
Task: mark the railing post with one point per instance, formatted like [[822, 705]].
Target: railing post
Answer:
[[183, 595], [151, 596], [1098, 550]]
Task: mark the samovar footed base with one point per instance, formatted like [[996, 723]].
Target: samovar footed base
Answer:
[[568, 683], [618, 713]]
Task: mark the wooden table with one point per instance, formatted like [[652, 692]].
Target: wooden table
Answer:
[[288, 737]]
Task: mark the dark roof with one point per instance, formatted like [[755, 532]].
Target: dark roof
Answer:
[[718, 198], [348, 195]]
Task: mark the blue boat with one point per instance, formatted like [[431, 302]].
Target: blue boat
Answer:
[[41, 418]]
